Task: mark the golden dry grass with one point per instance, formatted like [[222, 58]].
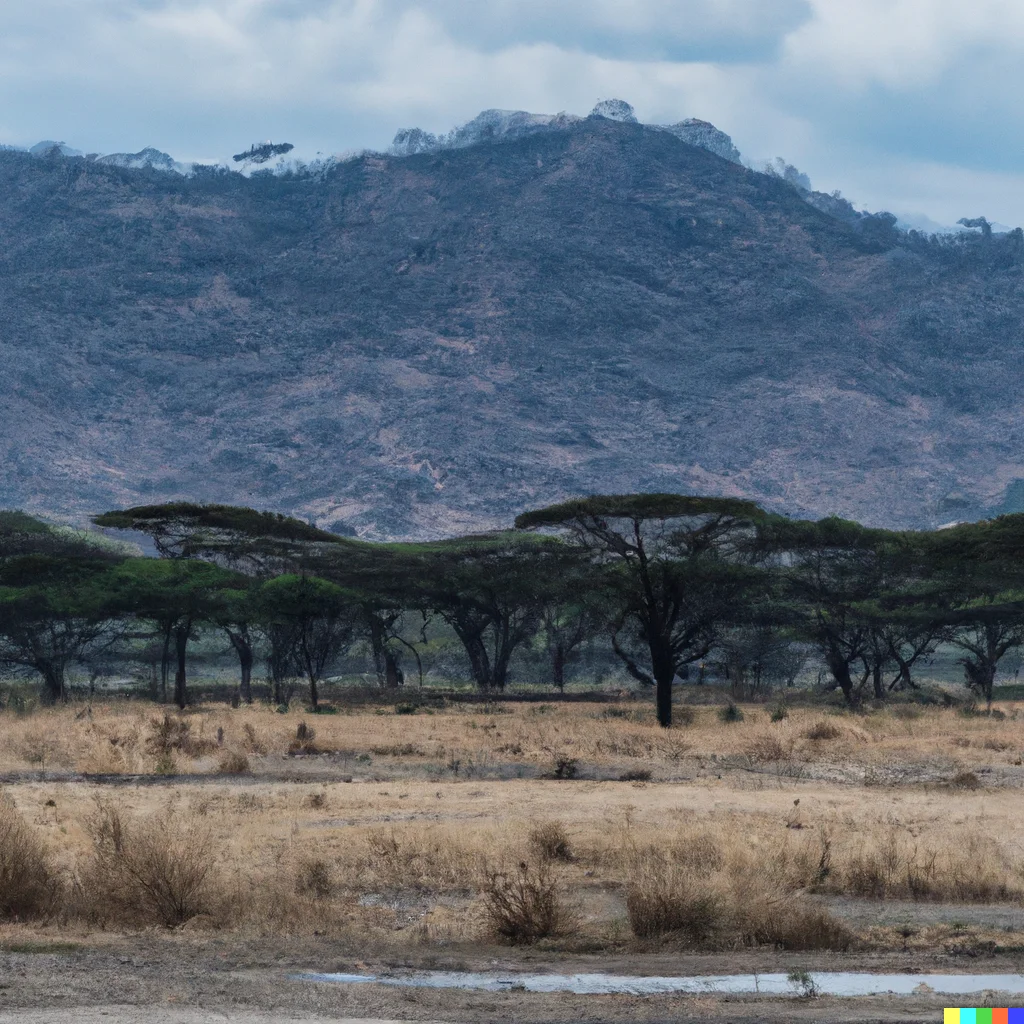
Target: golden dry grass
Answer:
[[125, 737], [408, 856]]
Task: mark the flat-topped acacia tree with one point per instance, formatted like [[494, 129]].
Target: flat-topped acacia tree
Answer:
[[678, 569], [257, 544]]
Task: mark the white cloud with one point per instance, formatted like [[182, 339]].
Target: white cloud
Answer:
[[856, 92]]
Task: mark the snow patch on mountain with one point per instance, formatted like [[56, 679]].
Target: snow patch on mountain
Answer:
[[48, 146], [148, 158], [706, 136], [505, 125], [615, 110]]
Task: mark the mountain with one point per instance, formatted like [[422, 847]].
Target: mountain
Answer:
[[424, 344]]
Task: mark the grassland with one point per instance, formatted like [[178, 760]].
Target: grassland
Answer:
[[406, 835]]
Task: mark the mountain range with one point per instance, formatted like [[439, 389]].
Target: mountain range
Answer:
[[427, 341]]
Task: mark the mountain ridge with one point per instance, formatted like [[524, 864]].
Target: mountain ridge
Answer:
[[424, 345]]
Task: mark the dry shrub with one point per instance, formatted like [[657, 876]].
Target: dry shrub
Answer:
[[964, 780], [527, 905], [767, 747], [174, 735], [398, 750], [725, 903], [234, 762], [550, 841], [253, 743], [28, 887], [823, 729], [315, 878], [420, 861], [971, 871], [153, 871], [304, 741], [38, 746], [662, 898]]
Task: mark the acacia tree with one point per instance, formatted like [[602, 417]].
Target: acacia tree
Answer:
[[320, 618], [677, 566], [258, 544], [178, 595], [53, 612], [981, 567]]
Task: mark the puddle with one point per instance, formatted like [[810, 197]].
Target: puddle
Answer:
[[826, 983]]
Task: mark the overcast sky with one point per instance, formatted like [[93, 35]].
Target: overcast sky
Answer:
[[907, 105]]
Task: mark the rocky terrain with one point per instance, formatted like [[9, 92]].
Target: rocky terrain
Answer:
[[422, 344]]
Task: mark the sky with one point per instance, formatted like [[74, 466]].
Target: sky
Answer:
[[905, 105]]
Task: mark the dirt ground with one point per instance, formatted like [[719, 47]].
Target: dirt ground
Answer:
[[178, 979]]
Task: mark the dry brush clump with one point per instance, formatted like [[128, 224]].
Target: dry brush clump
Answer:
[[722, 902], [527, 904], [143, 871], [29, 888]]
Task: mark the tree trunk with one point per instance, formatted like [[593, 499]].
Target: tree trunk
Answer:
[[390, 670], [243, 648], [876, 679], [840, 670], [53, 683], [664, 669], [559, 667], [314, 693], [165, 662], [379, 654], [181, 632]]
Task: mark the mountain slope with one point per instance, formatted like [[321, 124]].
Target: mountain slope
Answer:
[[418, 345]]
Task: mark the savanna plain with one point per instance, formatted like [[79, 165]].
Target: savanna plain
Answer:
[[176, 866]]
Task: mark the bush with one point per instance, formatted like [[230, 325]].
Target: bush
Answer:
[[565, 767], [158, 871], [767, 747], [550, 841], [823, 730], [730, 713], [779, 713], [175, 734], [28, 888], [636, 775], [234, 762], [303, 742], [663, 899], [314, 878], [527, 905]]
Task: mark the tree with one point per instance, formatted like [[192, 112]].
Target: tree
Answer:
[[677, 566], [176, 594], [492, 591], [53, 610], [320, 618]]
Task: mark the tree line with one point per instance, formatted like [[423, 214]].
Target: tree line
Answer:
[[665, 581]]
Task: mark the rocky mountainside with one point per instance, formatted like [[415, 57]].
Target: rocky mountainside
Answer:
[[423, 344]]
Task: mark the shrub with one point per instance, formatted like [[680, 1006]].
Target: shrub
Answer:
[[526, 905], [28, 888], [779, 713], [730, 713], [767, 747], [253, 743], [303, 742], [684, 715], [158, 871], [234, 762], [314, 878], [636, 775], [823, 729], [565, 767], [550, 841], [965, 780], [663, 899], [175, 734]]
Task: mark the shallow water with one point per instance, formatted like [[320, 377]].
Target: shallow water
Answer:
[[841, 983]]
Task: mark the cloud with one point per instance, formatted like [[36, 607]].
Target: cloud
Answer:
[[922, 88]]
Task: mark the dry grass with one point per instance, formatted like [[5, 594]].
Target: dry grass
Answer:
[[28, 887], [415, 854], [126, 737]]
